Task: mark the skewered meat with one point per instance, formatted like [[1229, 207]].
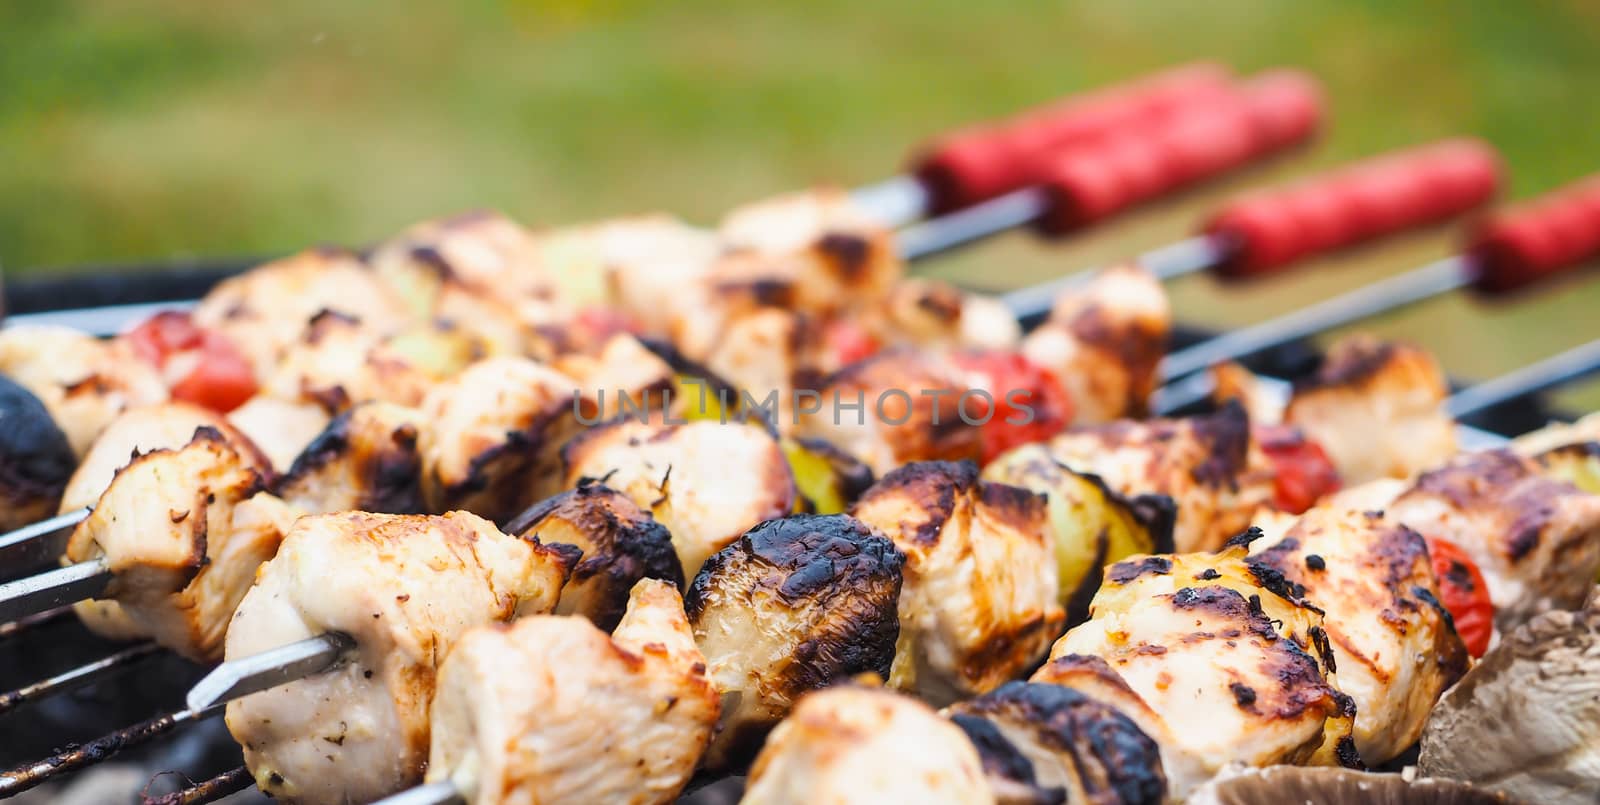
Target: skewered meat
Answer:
[[1208, 465], [706, 481], [83, 381], [182, 531], [621, 543], [36, 460], [339, 361], [1393, 641], [1051, 743], [403, 588], [1388, 393], [266, 309], [1537, 540], [1091, 525], [980, 602], [1104, 341], [623, 367], [853, 744], [367, 459], [494, 435], [1220, 650], [281, 428], [793, 605], [1523, 720], [552, 710], [934, 314]]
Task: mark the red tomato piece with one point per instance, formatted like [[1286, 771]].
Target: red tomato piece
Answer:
[[848, 342], [1030, 404], [1464, 593], [221, 379], [1302, 471]]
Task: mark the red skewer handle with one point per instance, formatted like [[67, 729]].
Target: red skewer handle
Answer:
[[1555, 232]]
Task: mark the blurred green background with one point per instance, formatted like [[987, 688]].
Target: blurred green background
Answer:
[[136, 130]]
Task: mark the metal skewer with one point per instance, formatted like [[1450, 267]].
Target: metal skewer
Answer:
[[1572, 365], [238, 678], [28, 546]]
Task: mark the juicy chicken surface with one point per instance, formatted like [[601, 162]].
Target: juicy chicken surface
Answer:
[[552, 710], [366, 459], [980, 599], [794, 605], [1208, 465], [1103, 342], [338, 361], [1219, 650], [403, 588], [281, 428], [852, 744], [1375, 408], [83, 381], [706, 481], [1394, 643], [182, 531], [933, 314]]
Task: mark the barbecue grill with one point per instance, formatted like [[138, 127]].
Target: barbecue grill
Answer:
[[39, 646]]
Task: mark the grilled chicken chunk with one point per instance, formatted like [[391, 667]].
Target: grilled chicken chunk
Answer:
[[1208, 465], [1048, 743], [552, 710], [1103, 342], [894, 408], [621, 543], [281, 428], [403, 588], [182, 532], [1375, 407], [266, 309], [792, 606], [367, 459], [1220, 650], [494, 435], [706, 481], [339, 361], [934, 314], [853, 744], [1536, 540], [83, 381], [1395, 646], [980, 603]]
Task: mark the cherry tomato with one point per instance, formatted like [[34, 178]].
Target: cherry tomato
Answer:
[[848, 342], [1302, 472], [600, 322], [212, 371], [1463, 592], [1030, 404]]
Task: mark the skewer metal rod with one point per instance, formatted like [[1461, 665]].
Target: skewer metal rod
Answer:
[[77, 677], [1409, 288], [229, 782], [971, 224], [1188, 256], [28, 546], [443, 793], [1566, 367], [242, 677], [22, 778], [67, 585], [895, 201]]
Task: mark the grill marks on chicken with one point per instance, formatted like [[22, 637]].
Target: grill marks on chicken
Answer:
[[980, 598], [859, 744], [552, 710], [794, 605], [367, 459], [404, 588], [182, 534], [1395, 646]]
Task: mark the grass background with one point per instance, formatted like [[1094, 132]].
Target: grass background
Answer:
[[135, 130]]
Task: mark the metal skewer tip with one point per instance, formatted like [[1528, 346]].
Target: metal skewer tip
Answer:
[[53, 588], [237, 678], [27, 546]]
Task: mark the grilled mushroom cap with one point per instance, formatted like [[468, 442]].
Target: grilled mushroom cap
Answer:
[[1066, 744], [1313, 786], [36, 460], [365, 460], [792, 606], [621, 544]]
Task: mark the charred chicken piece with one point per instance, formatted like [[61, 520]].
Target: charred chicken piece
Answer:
[[1067, 746], [552, 710], [981, 599], [403, 588], [792, 606], [1208, 465], [853, 744], [83, 381], [1536, 540], [706, 481], [1223, 652], [1376, 408], [367, 459], [621, 543], [494, 435], [1091, 525], [1104, 341], [182, 532], [897, 407], [36, 460], [1394, 643]]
